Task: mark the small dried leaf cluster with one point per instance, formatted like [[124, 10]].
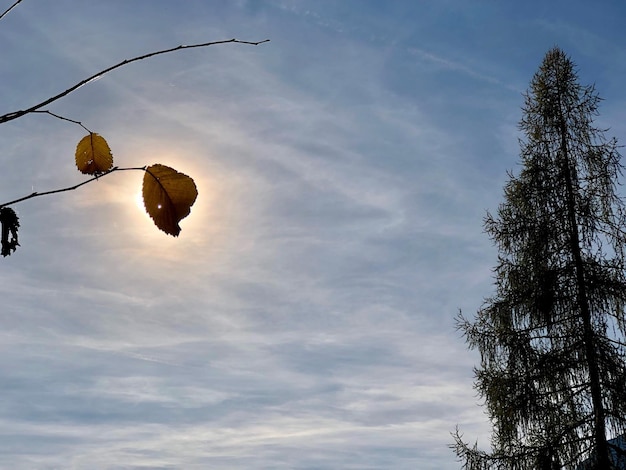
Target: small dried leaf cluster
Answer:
[[10, 223]]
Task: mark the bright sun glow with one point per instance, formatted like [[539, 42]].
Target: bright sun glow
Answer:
[[139, 201], [140, 205]]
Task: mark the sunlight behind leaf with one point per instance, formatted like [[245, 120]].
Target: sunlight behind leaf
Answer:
[[168, 196]]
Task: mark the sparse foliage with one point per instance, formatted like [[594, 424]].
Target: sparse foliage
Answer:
[[552, 339], [168, 195]]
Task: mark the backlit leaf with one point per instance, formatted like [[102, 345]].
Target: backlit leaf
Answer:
[[168, 196], [93, 155]]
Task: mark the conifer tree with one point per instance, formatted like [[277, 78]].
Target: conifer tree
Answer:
[[552, 339]]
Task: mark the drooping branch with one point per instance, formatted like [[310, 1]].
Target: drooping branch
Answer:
[[70, 188], [17, 114]]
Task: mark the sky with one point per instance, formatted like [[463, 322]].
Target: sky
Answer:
[[305, 316]]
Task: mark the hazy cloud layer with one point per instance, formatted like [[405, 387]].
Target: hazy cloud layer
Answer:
[[305, 317]]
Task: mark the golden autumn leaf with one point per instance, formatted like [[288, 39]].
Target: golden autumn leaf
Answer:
[[168, 196], [93, 155]]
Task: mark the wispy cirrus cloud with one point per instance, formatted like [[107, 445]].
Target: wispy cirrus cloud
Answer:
[[305, 317]]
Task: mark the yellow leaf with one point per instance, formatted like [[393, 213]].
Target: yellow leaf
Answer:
[[93, 155], [168, 196]]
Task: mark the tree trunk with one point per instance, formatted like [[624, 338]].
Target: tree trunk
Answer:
[[599, 427]]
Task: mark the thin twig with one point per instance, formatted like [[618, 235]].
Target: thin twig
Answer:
[[9, 9], [16, 114], [71, 188], [42, 111]]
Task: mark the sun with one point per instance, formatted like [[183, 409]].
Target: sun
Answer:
[[139, 202]]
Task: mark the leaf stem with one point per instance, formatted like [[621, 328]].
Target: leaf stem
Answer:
[[45, 111]]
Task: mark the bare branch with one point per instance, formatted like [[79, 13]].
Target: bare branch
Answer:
[[9, 9], [71, 188], [17, 114]]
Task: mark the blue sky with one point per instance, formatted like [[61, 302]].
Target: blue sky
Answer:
[[304, 319]]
